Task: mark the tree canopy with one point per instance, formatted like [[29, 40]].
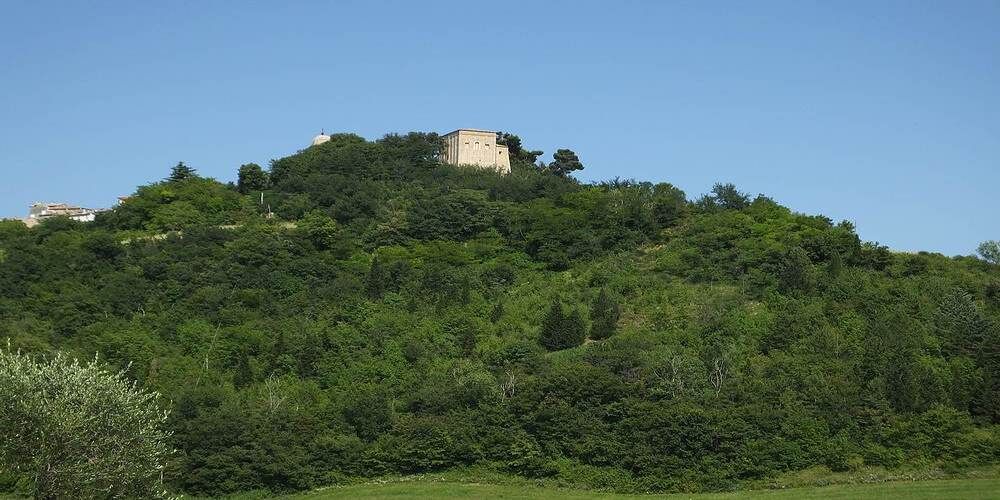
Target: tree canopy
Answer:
[[565, 162], [78, 430], [181, 172], [990, 251], [393, 315]]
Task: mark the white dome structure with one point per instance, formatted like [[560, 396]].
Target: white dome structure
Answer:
[[320, 139]]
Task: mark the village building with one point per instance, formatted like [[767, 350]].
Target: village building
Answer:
[[38, 212]]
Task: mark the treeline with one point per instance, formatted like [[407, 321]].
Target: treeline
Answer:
[[418, 317]]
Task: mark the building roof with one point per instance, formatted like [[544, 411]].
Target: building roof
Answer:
[[471, 130]]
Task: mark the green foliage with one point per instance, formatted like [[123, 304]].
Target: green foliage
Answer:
[[375, 283], [497, 313], [396, 316], [79, 430], [369, 413], [251, 178], [174, 205], [320, 229], [565, 162], [561, 330], [990, 251], [604, 315], [181, 172], [449, 216], [725, 197]]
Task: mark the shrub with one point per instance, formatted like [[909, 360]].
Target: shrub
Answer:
[[79, 430]]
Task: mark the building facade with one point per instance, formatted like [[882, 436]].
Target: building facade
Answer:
[[475, 147], [41, 211]]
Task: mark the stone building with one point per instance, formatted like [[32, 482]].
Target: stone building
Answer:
[[467, 146]]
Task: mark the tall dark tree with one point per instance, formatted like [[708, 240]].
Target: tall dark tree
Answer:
[[375, 282], [552, 324], [564, 162], [604, 315], [561, 330], [574, 329], [251, 178], [181, 172], [961, 325]]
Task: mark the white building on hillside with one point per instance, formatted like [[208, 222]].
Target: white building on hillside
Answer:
[[41, 211], [320, 139]]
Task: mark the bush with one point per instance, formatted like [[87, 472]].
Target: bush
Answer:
[[82, 431], [604, 314]]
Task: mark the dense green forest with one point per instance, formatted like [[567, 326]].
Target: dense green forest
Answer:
[[383, 313]]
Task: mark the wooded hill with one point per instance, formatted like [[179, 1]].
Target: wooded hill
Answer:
[[421, 317]]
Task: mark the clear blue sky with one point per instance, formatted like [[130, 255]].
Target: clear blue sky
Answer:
[[884, 113]]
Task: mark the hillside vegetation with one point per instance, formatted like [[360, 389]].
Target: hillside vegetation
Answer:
[[418, 317]]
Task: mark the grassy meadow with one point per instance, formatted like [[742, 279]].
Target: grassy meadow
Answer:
[[916, 490]]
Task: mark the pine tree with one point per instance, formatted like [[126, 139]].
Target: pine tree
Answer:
[[181, 172], [574, 329], [375, 283], [552, 324], [961, 325], [565, 161], [604, 315], [561, 330]]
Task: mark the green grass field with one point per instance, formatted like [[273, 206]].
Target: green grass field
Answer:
[[966, 489], [977, 483], [959, 489]]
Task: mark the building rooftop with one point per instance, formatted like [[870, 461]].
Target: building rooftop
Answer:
[[471, 130]]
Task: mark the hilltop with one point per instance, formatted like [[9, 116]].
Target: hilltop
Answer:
[[359, 309]]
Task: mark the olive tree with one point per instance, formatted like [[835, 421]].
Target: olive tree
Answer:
[[79, 430], [990, 251]]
